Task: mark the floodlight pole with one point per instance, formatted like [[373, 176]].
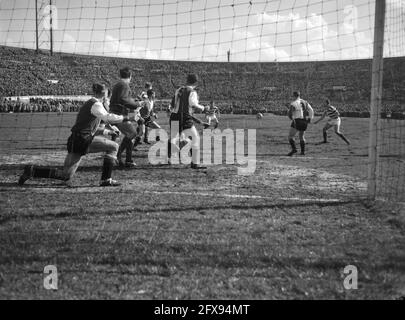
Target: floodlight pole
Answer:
[[376, 97]]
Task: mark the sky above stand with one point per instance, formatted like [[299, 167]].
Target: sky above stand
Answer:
[[205, 30]]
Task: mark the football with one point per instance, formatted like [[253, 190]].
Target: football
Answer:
[[259, 116]]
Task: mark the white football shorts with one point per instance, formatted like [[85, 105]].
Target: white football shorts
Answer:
[[211, 119], [334, 122]]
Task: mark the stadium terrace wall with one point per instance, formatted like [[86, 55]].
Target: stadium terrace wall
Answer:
[[247, 86]]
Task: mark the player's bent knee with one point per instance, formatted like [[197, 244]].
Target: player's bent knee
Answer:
[[111, 156], [135, 134], [112, 147]]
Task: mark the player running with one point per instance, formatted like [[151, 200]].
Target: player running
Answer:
[[212, 115], [86, 138], [144, 97], [301, 114], [120, 104], [183, 103], [147, 113], [333, 122]]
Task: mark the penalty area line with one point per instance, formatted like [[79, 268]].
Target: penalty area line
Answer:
[[191, 194], [243, 196]]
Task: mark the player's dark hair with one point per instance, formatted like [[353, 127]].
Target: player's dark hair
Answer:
[[98, 88], [125, 73], [192, 78], [150, 93], [148, 85], [296, 94]]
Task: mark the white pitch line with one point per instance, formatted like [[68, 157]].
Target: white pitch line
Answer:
[[242, 196], [184, 193]]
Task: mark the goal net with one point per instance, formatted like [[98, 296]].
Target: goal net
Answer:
[[250, 56]]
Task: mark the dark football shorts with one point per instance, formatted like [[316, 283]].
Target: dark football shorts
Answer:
[[79, 144], [141, 121], [299, 124], [185, 122]]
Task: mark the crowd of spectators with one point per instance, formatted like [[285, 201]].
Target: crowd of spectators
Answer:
[[39, 105], [238, 87], [226, 107]]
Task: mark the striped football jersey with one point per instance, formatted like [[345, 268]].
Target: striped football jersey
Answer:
[[332, 112], [212, 111]]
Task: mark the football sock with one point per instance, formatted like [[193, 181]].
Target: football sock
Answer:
[[292, 143], [302, 143], [121, 149], [195, 155], [169, 148], [107, 169], [343, 137], [325, 136], [49, 173], [129, 147], [145, 138]]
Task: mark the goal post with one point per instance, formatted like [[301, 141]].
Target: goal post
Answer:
[[376, 97]]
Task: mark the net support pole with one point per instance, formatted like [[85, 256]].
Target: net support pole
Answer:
[[376, 97], [36, 26], [51, 24]]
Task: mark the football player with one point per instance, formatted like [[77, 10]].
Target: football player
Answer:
[[144, 97], [212, 115], [334, 121], [301, 114], [122, 104], [86, 138], [147, 113], [183, 103]]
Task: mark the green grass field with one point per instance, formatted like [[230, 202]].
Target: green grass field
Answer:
[[285, 232]]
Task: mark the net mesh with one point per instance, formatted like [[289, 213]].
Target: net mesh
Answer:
[[322, 48]]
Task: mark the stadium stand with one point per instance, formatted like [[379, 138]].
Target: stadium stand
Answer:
[[236, 87]]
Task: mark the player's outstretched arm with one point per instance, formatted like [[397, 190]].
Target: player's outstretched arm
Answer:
[[311, 113], [321, 118], [196, 120], [99, 111], [193, 102], [131, 104]]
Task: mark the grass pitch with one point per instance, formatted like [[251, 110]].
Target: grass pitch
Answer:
[[285, 232]]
